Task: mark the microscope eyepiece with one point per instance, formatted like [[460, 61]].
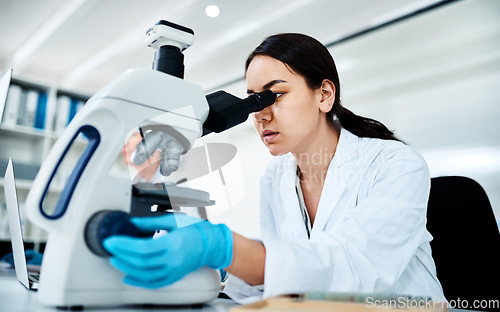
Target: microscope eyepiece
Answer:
[[258, 101], [227, 111]]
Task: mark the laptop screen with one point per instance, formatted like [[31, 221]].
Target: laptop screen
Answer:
[[16, 231]]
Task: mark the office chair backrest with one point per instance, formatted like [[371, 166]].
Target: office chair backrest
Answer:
[[466, 244]]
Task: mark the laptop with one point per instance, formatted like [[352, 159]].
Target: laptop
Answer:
[[29, 278]]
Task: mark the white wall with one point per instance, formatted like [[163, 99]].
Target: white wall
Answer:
[[434, 80]]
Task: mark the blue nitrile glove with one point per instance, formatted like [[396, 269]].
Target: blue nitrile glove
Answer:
[[32, 257], [156, 262]]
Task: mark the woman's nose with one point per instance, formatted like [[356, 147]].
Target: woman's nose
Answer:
[[264, 115]]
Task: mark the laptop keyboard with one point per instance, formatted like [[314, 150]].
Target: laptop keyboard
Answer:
[[35, 278]]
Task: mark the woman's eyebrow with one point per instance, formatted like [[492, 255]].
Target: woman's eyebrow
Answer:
[[268, 85]]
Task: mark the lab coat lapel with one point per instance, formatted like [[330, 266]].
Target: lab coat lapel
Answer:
[[290, 216], [338, 177]]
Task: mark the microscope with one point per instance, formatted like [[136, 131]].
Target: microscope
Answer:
[[92, 203]]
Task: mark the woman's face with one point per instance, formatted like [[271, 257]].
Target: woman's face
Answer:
[[290, 124]]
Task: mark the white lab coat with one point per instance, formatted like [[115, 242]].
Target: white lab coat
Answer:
[[369, 235]]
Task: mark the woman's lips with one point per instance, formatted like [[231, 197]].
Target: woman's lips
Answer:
[[268, 135]]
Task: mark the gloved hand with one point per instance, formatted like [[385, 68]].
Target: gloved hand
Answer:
[[158, 262], [32, 257]]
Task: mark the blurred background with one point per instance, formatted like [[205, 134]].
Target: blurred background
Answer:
[[430, 70]]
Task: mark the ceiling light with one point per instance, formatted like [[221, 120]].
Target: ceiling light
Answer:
[[212, 11]]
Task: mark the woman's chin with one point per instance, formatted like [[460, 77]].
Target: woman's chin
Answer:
[[276, 151]]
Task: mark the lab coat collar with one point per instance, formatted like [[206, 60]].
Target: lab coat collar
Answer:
[[289, 210], [338, 175]]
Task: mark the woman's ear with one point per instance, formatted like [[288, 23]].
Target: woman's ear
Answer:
[[327, 95]]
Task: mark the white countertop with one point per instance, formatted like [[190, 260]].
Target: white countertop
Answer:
[[14, 297]]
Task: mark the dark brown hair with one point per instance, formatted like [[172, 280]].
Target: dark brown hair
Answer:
[[310, 58]]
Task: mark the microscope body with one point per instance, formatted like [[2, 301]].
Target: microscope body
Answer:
[[170, 114], [71, 274]]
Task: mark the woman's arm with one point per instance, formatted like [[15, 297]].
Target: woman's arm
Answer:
[[249, 257]]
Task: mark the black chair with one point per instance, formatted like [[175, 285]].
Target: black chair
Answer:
[[466, 244]]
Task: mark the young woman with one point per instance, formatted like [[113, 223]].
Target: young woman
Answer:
[[343, 203]]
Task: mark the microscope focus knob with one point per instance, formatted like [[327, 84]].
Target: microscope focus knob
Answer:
[[105, 223]]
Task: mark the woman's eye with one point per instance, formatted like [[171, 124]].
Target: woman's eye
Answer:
[[278, 94]]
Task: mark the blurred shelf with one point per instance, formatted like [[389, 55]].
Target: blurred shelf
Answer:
[[21, 132], [25, 185], [20, 184]]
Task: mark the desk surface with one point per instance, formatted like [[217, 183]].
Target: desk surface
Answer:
[[14, 297]]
